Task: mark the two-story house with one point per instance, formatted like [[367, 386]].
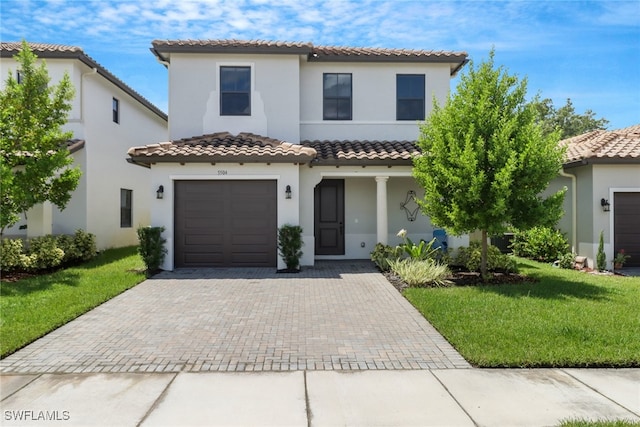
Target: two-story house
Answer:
[[107, 118], [269, 133]]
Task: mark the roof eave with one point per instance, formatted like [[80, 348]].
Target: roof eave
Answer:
[[219, 159], [601, 161], [361, 162]]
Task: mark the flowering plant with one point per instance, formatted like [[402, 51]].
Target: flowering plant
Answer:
[[423, 250], [620, 257]]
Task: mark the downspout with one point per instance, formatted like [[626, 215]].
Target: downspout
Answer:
[[574, 208], [93, 71]]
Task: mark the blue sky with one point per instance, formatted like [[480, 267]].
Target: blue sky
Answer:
[[586, 51]]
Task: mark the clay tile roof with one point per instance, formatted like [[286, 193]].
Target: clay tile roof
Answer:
[[230, 46], [40, 48], [390, 54], [46, 50], [363, 152], [314, 53], [602, 146], [222, 147]]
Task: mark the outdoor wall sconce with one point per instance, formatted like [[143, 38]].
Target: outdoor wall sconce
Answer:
[[160, 192], [410, 206], [287, 192], [605, 205]]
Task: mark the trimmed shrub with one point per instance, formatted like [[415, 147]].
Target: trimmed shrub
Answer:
[[382, 254], [68, 246], [567, 261], [416, 272], [46, 251], [11, 251], [290, 245], [601, 257], [470, 258], [540, 243], [85, 244], [151, 248]]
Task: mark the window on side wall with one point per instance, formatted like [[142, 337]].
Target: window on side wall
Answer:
[[19, 77], [126, 208], [115, 106], [235, 91], [337, 95], [410, 97]]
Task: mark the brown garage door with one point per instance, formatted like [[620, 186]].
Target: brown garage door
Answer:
[[225, 224], [626, 226]]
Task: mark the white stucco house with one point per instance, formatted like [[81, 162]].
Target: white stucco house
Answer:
[[107, 118], [602, 175], [263, 134]]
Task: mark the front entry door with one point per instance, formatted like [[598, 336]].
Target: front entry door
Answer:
[[329, 217]]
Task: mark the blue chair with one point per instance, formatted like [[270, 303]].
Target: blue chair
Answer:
[[441, 239]]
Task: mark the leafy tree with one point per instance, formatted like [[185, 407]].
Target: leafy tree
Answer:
[[485, 160], [565, 119], [35, 162]]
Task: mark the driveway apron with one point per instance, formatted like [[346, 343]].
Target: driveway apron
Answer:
[[335, 316]]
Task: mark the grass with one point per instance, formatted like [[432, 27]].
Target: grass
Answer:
[[565, 319], [599, 423], [34, 306]]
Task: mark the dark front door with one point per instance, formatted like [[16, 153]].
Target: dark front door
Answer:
[[329, 217]]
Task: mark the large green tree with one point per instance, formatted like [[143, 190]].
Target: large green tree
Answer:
[[485, 160], [35, 163], [565, 119]]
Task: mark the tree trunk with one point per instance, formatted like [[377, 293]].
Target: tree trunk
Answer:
[[483, 259]]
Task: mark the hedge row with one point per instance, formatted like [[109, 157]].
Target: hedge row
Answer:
[[46, 252]]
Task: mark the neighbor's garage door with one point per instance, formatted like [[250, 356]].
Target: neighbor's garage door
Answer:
[[626, 226], [225, 224]]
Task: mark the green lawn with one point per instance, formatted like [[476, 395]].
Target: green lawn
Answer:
[[566, 319], [34, 306]]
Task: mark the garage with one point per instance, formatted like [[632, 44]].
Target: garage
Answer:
[[225, 223], [626, 226]]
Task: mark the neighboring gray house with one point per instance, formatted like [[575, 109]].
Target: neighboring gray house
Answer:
[[107, 118], [602, 173]]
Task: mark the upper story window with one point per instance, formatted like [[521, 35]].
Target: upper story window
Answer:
[[235, 91], [19, 77], [115, 105], [410, 97], [337, 95]]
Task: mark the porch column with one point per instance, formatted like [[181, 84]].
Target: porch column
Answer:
[[40, 220], [382, 227]]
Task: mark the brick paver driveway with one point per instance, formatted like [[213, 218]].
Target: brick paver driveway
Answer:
[[338, 315]]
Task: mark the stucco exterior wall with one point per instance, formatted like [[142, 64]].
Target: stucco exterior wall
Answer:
[[166, 173], [374, 100], [107, 170], [194, 98]]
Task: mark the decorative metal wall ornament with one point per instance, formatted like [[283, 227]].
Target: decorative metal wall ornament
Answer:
[[410, 206]]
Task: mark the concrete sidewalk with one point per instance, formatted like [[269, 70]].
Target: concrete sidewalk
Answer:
[[441, 397]]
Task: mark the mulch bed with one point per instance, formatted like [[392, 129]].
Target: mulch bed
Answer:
[[14, 276], [468, 278]]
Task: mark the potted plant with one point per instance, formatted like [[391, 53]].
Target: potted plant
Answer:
[[290, 245], [620, 259]]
